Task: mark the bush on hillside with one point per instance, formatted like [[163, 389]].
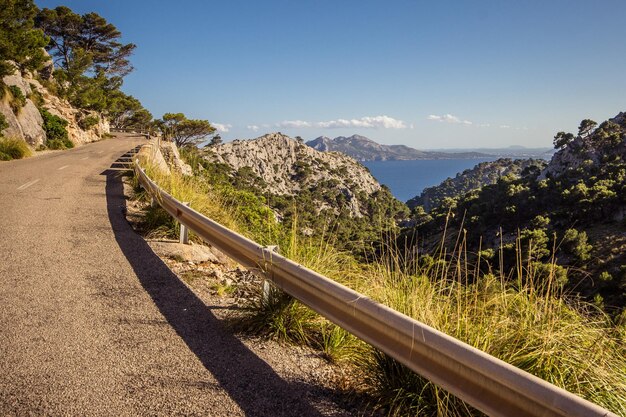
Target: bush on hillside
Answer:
[[88, 122], [35, 96], [11, 148], [3, 123], [18, 99], [56, 131]]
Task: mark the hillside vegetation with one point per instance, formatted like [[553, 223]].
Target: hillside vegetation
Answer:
[[571, 213], [327, 194], [471, 179], [520, 315]]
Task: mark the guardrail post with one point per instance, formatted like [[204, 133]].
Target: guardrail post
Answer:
[[184, 232], [266, 284]]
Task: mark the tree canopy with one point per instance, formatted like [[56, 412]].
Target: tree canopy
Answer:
[[86, 43], [91, 64], [586, 126], [562, 139], [20, 41], [183, 131]]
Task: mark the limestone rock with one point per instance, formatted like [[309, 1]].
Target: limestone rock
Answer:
[[285, 166], [186, 253], [172, 156], [152, 153], [31, 123], [28, 123], [14, 130], [63, 109]]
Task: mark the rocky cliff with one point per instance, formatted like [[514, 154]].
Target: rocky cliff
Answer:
[[284, 166], [365, 149], [608, 139], [25, 121]]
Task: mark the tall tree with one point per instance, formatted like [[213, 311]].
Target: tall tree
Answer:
[[215, 140], [586, 126], [20, 41], [562, 139], [183, 131], [87, 42], [140, 119]]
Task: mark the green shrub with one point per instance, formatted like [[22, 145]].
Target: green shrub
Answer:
[[278, 315], [56, 131], [35, 96], [88, 122], [606, 276], [575, 243], [11, 148], [3, 123], [18, 99]]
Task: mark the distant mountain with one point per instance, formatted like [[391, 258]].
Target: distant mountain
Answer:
[[513, 151], [365, 149]]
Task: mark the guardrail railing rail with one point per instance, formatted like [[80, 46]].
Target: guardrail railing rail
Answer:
[[483, 381]]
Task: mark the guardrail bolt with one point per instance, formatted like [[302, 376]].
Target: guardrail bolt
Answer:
[[184, 232]]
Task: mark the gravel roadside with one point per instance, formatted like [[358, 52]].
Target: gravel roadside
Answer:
[[222, 285]]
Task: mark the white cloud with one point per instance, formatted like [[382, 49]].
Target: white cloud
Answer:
[[448, 118], [375, 122], [369, 122], [293, 124], [223, 128], [254, 128]]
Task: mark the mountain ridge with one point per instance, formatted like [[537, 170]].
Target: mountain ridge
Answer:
[[363, 148]]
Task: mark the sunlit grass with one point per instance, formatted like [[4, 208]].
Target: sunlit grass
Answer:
[[516, 317], [12, 148]]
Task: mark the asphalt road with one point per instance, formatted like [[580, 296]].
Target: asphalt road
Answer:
[[93, 323]]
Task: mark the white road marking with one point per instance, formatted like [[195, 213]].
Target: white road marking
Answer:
[[28, 184], [82, 159], [63, 167]]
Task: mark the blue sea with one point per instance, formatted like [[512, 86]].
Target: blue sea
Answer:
[[406, 179]]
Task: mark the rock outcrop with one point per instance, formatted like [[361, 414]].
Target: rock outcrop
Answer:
[[27, 124], [590, 149], [172, 157], [165, 157], [285, 166]]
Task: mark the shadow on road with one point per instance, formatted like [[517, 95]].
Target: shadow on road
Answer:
[[248, 380]]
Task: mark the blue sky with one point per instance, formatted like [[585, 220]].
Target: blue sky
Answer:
[[425, 74]]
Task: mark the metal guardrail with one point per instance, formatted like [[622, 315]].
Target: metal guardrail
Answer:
[[143, 132], [483, 381]]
